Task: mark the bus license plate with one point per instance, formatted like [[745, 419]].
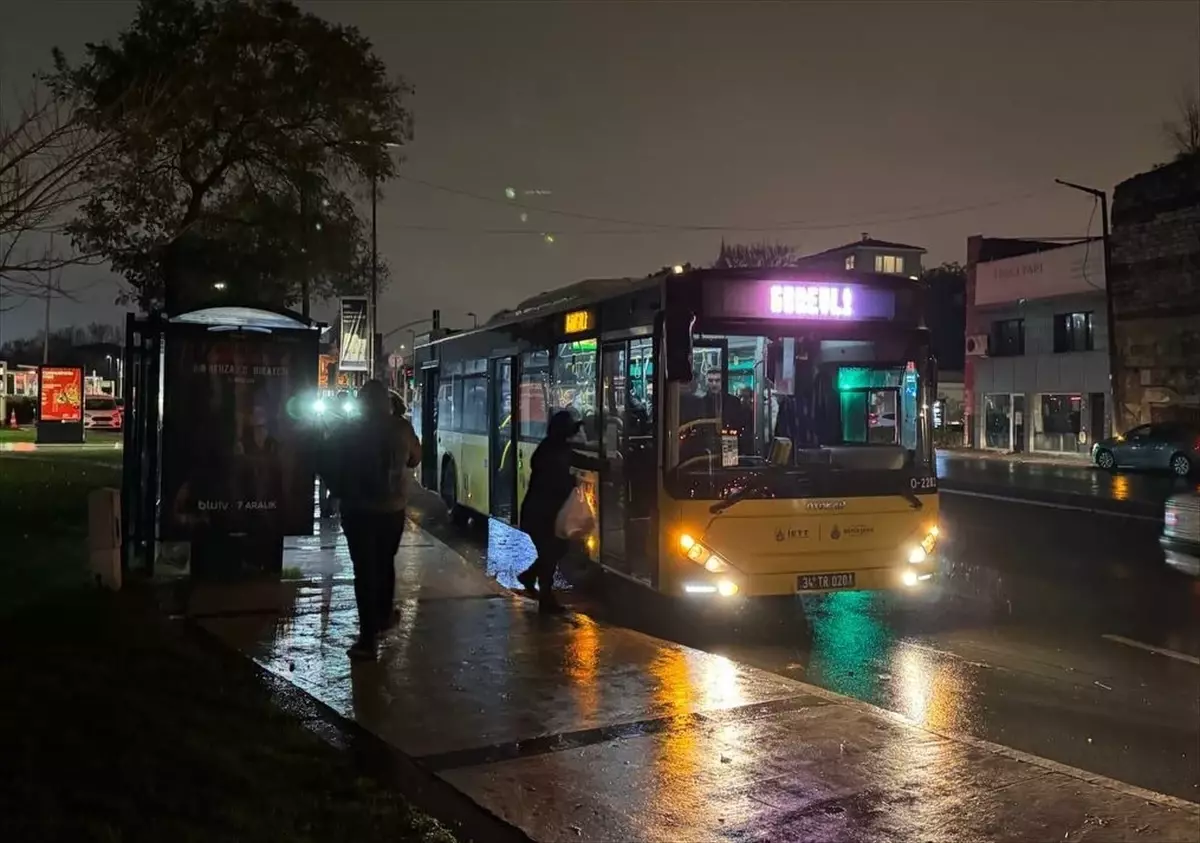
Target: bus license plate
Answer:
[[824, 582]]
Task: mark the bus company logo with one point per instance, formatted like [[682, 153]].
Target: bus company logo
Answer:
[[791, 533], [835, 533], [825, 506]]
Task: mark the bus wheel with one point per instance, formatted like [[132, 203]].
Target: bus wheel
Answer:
[[449, 487]]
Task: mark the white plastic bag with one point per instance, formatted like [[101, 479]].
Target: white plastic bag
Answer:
[[575, 517]]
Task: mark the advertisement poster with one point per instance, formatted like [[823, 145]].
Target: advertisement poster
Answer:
[[354, 346], [236, 459], [326, 363], [61, 397]]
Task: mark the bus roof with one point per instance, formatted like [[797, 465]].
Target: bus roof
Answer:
[[590, 291]]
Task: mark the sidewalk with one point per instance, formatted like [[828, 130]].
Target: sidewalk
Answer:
[[1022, 458], [572, 730]]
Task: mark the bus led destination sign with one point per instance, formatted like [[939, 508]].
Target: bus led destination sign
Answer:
[[815, 301], [819, 300], [577, 321]]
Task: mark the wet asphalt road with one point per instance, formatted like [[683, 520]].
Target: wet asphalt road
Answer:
[[1030, 638], [1080, 486]]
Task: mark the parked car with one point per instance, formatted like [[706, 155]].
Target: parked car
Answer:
[[1173, 447], [100, 412], [1180, 538]]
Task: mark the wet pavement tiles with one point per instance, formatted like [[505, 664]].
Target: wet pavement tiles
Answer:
[[570, 729]]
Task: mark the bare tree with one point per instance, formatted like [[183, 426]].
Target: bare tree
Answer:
[[1183, 133], [755, 255], [43, 150]]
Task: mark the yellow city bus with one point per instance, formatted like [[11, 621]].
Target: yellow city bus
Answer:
[[745, 432]]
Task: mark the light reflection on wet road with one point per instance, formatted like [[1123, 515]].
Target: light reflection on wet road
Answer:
[[1137, 492], [1008, 647]]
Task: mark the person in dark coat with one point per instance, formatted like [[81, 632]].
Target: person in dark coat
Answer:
[[550, 484], [376, 455]]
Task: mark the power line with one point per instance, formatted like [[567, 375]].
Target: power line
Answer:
[[635, 227]]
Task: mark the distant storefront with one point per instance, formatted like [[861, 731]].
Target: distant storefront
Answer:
[[1037, 365]]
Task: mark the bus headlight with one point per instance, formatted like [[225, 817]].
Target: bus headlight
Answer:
[[909, 578], [318, 407], [727, 588], [921, 552], [712, 562]]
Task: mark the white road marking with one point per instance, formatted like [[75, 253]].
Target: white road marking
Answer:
[[1051, 505], [1150, 648]]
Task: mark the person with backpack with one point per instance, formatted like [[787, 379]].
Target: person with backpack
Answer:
[[375, 456]]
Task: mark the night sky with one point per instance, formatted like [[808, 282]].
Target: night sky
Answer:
[[654, 124]]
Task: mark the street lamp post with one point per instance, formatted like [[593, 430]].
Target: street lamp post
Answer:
[[373, 319], [374, 307]]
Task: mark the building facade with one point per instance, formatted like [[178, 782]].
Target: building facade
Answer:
[[1156, 294], [869, 255], [1036, 371]]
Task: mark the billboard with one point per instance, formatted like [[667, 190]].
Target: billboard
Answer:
[[355, 350], [61, 395], [236, 455], [324, 365]]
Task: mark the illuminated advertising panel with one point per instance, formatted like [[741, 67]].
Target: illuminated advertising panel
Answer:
[[61, 395], [354, 346]]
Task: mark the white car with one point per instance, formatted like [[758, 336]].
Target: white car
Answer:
[[1180, 538], [100, 412]]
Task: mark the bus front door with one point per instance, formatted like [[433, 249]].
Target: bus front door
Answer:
[[429, 420], [502, 444], [613, 488], [628, 486]]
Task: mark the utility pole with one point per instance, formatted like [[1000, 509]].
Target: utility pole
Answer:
[[46, 336], [304, 267], [1114, 395]]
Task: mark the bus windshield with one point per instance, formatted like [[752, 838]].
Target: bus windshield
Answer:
[[804, 404]]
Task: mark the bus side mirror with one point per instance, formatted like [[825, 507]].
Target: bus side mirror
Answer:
[[677, 346]]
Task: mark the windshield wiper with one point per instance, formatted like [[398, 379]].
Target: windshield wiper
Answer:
[[754, 484]]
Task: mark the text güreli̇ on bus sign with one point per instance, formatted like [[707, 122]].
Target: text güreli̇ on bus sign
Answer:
[[577, 321], [816, 301]]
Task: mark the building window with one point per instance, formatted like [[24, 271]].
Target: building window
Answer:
[[890, 264], [849, 261], [1073, 332], [1008, 338], [1058, 423], [997, 421]]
